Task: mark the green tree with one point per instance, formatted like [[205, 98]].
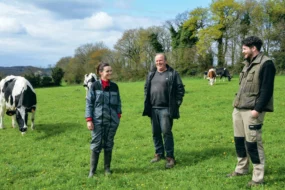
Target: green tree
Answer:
[[46, 81], [153, 38], [225, 13], [34, 79], [57, 75], [128, 46], [74, 72], [63, 62], [276, 11]]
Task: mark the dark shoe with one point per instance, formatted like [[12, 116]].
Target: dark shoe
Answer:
[[157, 158], [234, 174], [170, 162], [253, 183], [93, 163]]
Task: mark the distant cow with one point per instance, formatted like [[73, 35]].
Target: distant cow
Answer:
[[17, 97], [223, 72], [88, 80], [211, 76], [205, 74]]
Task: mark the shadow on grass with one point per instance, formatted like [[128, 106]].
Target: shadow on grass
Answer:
[[183, 159], [194, 157], [54, 129]]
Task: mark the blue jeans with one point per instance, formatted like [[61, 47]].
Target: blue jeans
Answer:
[[162, 124]]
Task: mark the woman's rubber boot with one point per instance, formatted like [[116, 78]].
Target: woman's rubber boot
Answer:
[[93, 163], [107, 162]]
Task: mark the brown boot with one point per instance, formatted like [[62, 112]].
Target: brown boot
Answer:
[[234, 174], [254, 183], [170, 162], [157, 158]]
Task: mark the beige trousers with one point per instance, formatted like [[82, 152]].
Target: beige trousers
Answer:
[[248, 143]]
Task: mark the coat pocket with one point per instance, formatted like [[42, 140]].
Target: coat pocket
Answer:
[[99, 97], [114, 98], [250, 76]]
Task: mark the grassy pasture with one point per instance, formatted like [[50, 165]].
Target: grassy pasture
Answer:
[[56, 154]]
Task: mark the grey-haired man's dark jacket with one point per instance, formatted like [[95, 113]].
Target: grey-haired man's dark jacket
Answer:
[[176, 92]]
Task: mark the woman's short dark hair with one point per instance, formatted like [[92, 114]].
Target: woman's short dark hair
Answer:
[[253, 41], [101, 66]]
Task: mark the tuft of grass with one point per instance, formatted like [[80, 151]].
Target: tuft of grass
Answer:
[[56, 154]]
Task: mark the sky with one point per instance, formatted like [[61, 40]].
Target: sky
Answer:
[[41, 32]]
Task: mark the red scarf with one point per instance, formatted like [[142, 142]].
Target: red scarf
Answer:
[[105, 83]]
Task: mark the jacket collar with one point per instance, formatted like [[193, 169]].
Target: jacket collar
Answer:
[[256, 60], [154, 69]]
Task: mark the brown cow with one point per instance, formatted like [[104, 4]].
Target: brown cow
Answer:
[[211, 76]]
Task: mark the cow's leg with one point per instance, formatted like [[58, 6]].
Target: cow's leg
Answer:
[[211, 81], [13, 121], [229, 78], [1, 117], [33, 119], [2, 111]]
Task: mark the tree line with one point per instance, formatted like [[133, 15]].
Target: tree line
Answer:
[[193, 41], [38, 80]]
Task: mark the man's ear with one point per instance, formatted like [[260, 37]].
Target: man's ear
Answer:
[[254, 48]]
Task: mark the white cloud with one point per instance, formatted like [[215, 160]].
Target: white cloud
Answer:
[[99, 21], [10, 25], [39, 33]]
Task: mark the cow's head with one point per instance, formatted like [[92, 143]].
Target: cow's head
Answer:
[[89, 79], [22, 119]]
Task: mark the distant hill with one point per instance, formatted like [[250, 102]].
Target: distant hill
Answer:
[[22, 70]]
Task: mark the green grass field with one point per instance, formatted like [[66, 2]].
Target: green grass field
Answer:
[[56, 154]]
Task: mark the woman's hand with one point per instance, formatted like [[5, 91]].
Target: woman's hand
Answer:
[[90, 125]]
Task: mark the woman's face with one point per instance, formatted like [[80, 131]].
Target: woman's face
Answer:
[[106, 74]]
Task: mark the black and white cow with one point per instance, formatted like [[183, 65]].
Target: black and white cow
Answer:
[[223, 72], [17, 98], [88, 80]]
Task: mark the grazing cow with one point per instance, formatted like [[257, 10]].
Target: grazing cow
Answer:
[[205, 74], [223, 72], [17, 97], [88, 80], [211, 76]]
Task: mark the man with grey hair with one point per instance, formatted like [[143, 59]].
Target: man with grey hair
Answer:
[[164, 93]]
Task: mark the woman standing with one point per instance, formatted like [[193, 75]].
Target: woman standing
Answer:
[[103, 113]]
